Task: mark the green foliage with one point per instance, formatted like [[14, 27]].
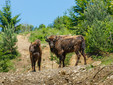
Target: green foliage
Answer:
[[108, 60], [6, 18], [96, 38], [41, 33], [67, 59], [54, 57], [41, 26], [62, 22], [109, 6], [77, 12], [5, 64], [7, 49], [96, 28], [97, 57], [9, 40], [105, 59], [26, 28], [95, 11]]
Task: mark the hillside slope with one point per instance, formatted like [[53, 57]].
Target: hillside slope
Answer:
[[50, 74], [23, 64]]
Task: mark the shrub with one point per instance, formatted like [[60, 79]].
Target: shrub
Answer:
[[41, 33], [7, 49]]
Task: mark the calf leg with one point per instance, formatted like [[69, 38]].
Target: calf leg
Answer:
[[78, 57], [33, 64], [39, 63], [31, 58]]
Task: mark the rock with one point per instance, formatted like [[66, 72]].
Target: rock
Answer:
[[96, 63]]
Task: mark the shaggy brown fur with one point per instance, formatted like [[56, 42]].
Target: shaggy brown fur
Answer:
[[35, 54], [61, 45]]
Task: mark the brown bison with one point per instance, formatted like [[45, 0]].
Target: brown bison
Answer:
[[35, 54], [61, 45]]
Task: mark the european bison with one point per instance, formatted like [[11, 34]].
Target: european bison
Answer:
[[35, 54], [61, 45]]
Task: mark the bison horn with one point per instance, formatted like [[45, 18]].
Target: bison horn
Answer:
[[45, 37]]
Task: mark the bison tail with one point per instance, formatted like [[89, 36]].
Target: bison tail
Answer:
[[83, 43]]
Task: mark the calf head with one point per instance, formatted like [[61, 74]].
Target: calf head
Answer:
[[51, 40], [34, 46]]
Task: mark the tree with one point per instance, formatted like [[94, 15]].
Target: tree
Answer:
[[77, 12], [5, 64], [41, 26], [26, 28], [95, 25], [6, 18], [9, 40], [7, 49], [95, 11], [58, 23], [62, 22]]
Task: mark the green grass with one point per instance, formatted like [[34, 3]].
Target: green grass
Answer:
[[107, 60], [89, 67], [67, 59], [41, 33]]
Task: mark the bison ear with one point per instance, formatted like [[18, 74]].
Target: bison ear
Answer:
[[56, 38]]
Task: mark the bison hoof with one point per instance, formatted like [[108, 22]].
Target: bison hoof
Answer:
[[84, 63], [33, 71], [59, 67]]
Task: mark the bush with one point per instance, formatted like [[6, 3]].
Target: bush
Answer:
[[9, 41], [5, 63], [96, 38], [7, 49], [41, 33]]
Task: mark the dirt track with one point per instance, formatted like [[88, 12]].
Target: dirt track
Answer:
[[23, 64]]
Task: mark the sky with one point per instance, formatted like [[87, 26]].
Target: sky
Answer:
[[36, 12]]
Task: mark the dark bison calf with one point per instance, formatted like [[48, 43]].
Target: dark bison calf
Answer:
[[35, 54], [61, 45]]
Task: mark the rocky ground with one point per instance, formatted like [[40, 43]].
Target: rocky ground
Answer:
[[91, 74], [80, 75]]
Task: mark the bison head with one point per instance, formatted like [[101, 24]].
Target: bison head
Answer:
[[33, 47], [51, 40]]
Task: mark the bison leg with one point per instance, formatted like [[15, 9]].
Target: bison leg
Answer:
[[63, 60], [31, 58], [60, 59], [39, 63], [33, 64], [83, 54], [78, 57]]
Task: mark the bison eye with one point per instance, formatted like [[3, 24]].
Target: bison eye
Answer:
[[54, 40]]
